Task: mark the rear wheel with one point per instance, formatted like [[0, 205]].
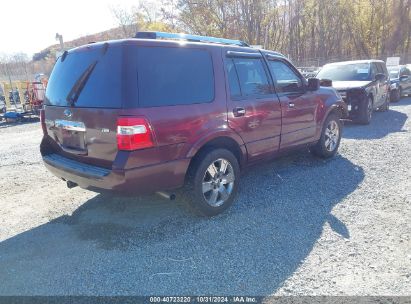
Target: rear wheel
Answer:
[[213, 181], [330, 138], [366, 109]]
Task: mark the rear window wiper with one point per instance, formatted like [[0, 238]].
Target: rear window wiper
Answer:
[[78, 86]]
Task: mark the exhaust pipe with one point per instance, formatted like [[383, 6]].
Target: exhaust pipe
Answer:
[[71, 184], [165, 195]]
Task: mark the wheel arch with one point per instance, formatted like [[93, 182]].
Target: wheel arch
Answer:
[[232, 143], [339, 109]]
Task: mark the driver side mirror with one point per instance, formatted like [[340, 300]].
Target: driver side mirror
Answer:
[[380, 77], [313, 84]]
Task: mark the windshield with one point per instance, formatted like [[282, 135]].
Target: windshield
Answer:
[[394, 72], [87, 78], [346, 72]]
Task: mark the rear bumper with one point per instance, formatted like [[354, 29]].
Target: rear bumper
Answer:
[[142, 180]]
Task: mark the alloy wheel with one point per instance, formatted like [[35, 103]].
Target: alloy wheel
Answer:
[[332, 134], [218, 182]]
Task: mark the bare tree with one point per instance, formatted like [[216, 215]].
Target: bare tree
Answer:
[[128, 20]]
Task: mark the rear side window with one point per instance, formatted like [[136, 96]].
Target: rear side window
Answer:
[[174, 76], [247, 78], [101, 89]]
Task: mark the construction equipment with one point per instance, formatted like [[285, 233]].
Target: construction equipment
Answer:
[[34, 97], [24, 99]]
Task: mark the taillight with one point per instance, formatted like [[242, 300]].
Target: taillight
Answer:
[[43, 121], [133, 133]]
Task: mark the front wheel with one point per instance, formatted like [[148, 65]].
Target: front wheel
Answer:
[[213, 181], [386, 106], [330, 138], [395, 96], [365, 113]]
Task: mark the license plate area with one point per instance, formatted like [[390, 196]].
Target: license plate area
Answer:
[[73, 139], [72, 136]]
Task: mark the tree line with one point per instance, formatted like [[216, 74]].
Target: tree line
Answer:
[[304, 30], [310, 32]]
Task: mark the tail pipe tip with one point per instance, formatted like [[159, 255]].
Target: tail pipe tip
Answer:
[[71, 184], [169, 196]]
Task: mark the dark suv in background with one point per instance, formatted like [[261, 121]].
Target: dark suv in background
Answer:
[[363, 84], [400, 79], [143, 115]]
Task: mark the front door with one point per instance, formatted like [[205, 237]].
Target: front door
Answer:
[[382, 85], [299, 107], [254, 111]]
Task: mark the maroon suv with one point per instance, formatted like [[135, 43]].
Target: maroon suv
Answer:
[[148, 114]]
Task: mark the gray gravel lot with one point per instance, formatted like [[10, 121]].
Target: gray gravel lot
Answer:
[[300, 226]]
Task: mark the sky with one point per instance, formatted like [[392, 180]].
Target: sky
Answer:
[[29, 26]]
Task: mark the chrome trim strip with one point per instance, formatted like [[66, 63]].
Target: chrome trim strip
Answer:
[[70, 125]]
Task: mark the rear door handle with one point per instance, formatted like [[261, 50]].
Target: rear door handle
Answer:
[[238, 112], [291, 105]]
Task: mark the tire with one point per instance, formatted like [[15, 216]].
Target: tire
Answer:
[[366, 109], [210, 191], [395, 96], [386, 106], [330, 138]]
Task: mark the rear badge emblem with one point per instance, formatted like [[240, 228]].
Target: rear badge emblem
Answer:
[[67, 113], [105, 130]]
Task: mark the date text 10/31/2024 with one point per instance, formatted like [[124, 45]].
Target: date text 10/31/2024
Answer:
[[203, 299]]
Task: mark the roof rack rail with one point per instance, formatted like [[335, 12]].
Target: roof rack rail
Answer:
[[188, 37]]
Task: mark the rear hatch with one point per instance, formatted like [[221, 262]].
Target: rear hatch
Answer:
[[84, 97]]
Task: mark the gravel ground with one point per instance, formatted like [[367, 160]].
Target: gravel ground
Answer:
[[300, 226]]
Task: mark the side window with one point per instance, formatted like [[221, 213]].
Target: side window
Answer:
[[402, 72], [233, 79], [286, 80], [384, 68], [247, 78], [380, 70], [374, 71], [405, 72], [174, 76]]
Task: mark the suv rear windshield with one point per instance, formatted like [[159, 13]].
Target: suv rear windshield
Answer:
[[100, 89], [346, 72], [153, 76]]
